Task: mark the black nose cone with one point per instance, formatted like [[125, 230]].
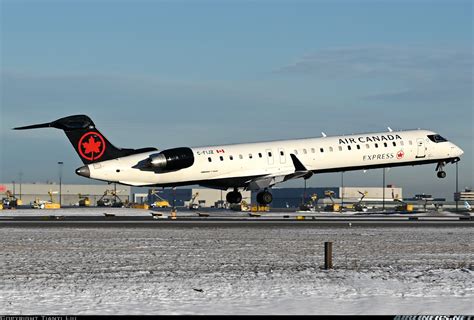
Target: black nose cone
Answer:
[[84, 171]]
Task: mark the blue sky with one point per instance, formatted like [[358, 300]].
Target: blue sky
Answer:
[[165, 74]]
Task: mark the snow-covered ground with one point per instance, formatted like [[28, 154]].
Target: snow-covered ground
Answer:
[[236, 270]]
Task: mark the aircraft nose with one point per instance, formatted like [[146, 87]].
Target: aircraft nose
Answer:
[[84, 171]]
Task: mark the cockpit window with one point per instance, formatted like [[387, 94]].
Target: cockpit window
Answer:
[[436, 138]]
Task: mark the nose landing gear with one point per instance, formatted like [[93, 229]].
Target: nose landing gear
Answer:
[[441, 173]]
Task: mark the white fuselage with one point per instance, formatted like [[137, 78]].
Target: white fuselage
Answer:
[[325, 154]]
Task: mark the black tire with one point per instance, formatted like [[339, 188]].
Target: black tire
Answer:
[[238, 197], [259, 197], [267, 197], [264, 198], [441, 174], [234, 197]]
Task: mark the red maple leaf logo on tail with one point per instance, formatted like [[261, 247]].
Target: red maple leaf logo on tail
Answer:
[[91, 146]]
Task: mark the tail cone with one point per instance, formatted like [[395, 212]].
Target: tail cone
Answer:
[[84, 171]]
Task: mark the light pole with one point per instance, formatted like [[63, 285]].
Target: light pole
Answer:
[[383, 191], [457, 187], [21, 176], [342, 190], [174, 198], [304, 193], [60, 164]]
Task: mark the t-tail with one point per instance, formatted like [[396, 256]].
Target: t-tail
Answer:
[[89, 143]]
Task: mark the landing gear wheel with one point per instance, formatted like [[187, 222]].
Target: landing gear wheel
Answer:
[[441, 174], [439, 168], [264, 198], [234, 197]]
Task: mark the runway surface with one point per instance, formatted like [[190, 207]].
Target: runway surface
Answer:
[[136, 218], [126, 217]]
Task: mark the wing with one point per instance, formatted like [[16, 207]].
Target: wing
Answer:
[[266, 181], [251, 182]]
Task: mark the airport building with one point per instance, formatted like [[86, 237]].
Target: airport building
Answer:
[[466, 195], [204, 197], [282, 197], [70, 193], [294, 197]]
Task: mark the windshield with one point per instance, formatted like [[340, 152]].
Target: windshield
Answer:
[[436, 138]]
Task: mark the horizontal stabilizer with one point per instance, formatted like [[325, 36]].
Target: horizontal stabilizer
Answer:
[[34, 126], [72, 123]]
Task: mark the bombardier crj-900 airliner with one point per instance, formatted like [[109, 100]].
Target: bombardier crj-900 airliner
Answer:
[[250, 166]]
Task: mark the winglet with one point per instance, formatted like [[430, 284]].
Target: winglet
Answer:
[[300, 169]]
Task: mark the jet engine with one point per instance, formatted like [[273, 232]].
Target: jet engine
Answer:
[[171, 159]]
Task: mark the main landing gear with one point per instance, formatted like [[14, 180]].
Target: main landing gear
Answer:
[[234, 196], [441, 173], [263, 198]]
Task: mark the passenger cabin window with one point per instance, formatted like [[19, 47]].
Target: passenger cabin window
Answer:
[[331, 149], [304, 151], [282, 153], [358, 147], [296, 151], [313, 150], [349, 148], [250, 156], [241, 156], [436, 138], [394, 143], [385, 144], [231, 157], [321, 149], [410, 142], [260, 155], [222, 158], [209, 159], [367, 146], [402, 143], [340, 148], [269, 154], [376, 145]]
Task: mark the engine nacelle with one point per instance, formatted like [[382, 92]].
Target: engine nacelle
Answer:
[[172, 159]]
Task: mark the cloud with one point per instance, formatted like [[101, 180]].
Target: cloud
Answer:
[[422, 64], [393, 74], [461, 94]]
